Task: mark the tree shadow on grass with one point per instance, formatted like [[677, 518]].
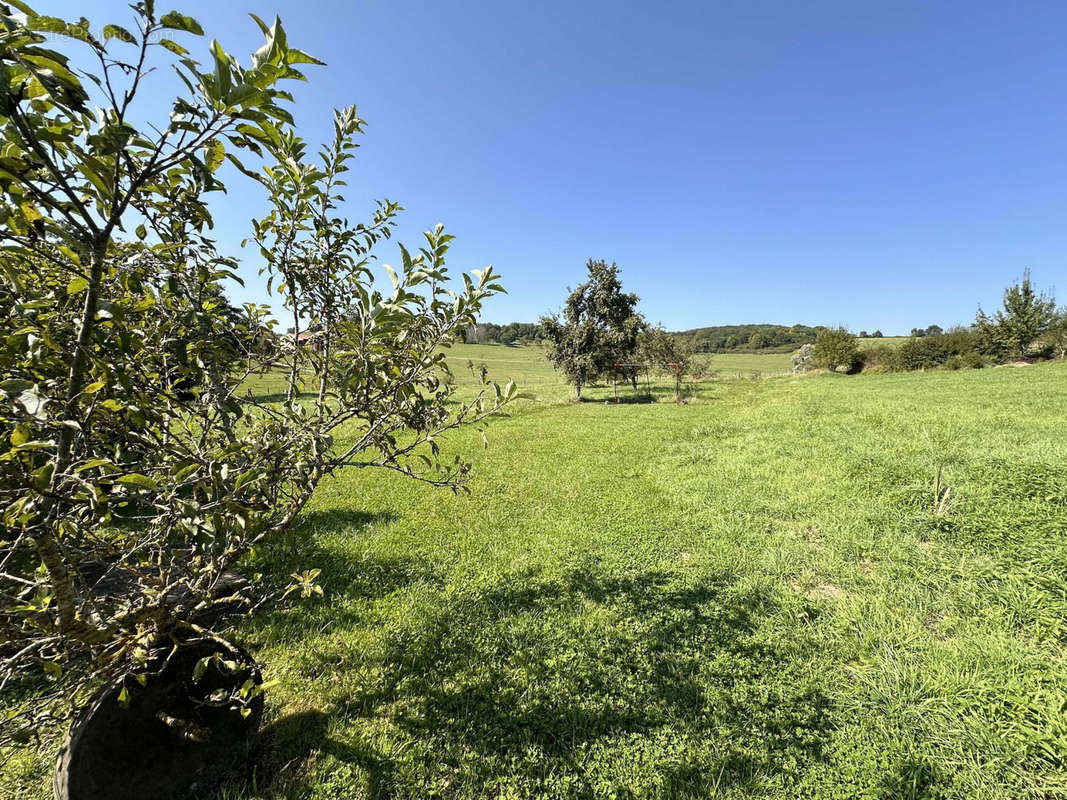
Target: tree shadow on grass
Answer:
[[583, 675], [307, 546], [330, 520], [629, 399], [284, 748]]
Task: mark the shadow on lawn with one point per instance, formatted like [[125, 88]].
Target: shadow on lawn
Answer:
[[329, 520], [578, 675], [628, 399], [291, 740]]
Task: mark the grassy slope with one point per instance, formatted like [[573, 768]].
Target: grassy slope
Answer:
[[745, 597]]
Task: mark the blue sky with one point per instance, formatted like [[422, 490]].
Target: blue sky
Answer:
[[876, 164]]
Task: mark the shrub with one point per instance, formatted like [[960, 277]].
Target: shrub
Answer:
[[882, 358], [959, 340], [660, 349], [923, 352], [1025, 316], [956, 349], [1055, 339], [699, 367], [969, 360], [836, 349]]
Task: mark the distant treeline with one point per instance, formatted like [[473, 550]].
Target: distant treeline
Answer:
[[512, 333], [750, 338], [712, 339]]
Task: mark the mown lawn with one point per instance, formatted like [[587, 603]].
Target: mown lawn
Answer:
[[747, 596]]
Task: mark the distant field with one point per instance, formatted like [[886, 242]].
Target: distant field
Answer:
[[729, 364], [530, 369], [890, 340]]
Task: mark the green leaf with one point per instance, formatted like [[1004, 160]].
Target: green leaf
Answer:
[[118, 32], [300, 57], [137, 479], [263, 26], [21, 6], [77, 285], [214, 154], [91, 463], [174, 47], [201, 668], [20, 435], [179, 22], [246, 477], [223, 82], [70, 254], [43, 477], [15, 385], [392, 275]]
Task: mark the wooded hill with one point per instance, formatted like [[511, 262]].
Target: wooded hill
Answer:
[[764, 338], [753, 337]]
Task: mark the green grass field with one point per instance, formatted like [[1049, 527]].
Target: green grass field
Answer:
[[895, 341], [750, 596], [529, 368]]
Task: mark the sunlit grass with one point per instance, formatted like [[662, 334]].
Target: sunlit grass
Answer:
[[753, 595]]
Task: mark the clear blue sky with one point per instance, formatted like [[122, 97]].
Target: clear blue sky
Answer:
[[877, 164]]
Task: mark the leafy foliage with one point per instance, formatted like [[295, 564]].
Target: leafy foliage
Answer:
[[836, 348], [936, 349], [136, 472], [930, 330], [511, 334], [745, 338], [665, 352], [1026, 314], [599, 328], [1055, 338]]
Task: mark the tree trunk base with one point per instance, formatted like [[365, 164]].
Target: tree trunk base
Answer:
[[169, 740]]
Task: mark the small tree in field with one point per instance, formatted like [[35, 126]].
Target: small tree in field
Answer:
[[599, 327], [659, 348], [1057, 335], [136, 468], [835, 348], [1026, 314]]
